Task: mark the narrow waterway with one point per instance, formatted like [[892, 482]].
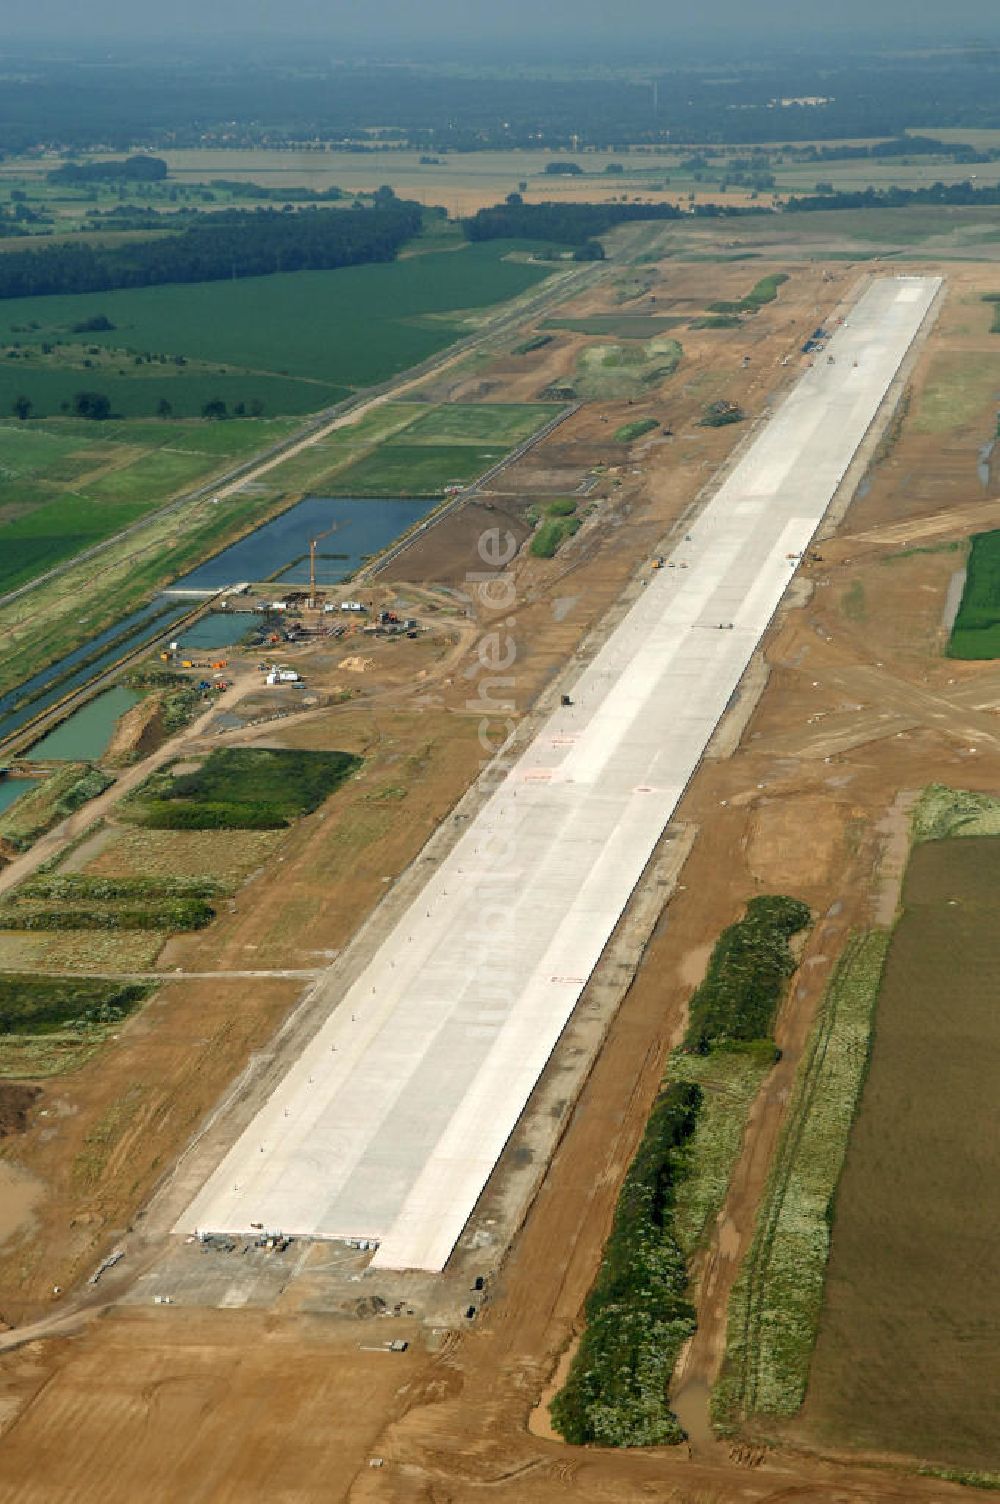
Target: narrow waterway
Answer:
[[84, 736], [20, 705]]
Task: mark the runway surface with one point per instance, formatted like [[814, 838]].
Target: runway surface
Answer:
[[390, 1122]]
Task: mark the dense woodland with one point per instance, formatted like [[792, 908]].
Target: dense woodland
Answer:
[[233, 101], [137, 169], [562, 224], [230, 243]]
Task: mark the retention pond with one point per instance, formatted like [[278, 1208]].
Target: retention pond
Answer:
[[349, 528]]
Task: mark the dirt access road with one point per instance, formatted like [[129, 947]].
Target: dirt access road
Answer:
[[256, 1404]]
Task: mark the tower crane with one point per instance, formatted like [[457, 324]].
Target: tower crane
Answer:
[[312, 562]]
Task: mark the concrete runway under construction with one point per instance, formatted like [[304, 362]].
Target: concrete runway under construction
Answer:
[[388, 1125]]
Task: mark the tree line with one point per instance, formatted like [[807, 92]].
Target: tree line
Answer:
[[228, 244], [561, 224], [943, 194]]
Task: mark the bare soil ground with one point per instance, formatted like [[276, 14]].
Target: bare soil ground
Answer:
[[288, 1405]]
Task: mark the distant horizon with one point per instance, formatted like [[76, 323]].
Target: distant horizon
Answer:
[[576, 31]]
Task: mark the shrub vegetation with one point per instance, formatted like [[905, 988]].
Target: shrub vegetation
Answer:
[[169, 914], [32, 1004], [242, 788], [630, 431], [638, 1313], [560, 523], [746, 974], [763, 292], [54, 799], [720, 414], [777, 1299]]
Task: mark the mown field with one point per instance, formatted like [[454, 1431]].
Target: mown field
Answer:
[[906, 1356], [293, 343]]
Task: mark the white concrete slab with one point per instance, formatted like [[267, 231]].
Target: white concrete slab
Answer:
[[390, 1122]]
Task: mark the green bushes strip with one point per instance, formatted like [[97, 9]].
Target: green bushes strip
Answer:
[[81, 887], [775, 1304], [32, 1004], [173, 914], [746, 974], [203, 814], [976, 630], [630, 431], [638, 1314]]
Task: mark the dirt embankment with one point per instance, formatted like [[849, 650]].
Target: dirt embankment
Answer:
[[138, 732]]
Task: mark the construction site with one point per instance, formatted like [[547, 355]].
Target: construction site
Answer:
[[319, 1217]]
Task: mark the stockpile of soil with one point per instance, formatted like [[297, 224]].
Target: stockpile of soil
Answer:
[[16, 1102]]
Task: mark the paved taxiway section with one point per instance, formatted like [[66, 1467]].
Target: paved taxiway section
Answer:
[[391, 1120]]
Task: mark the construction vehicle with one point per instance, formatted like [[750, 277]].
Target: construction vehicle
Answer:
[[658, 562]]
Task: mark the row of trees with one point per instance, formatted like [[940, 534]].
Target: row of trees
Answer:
[[232, 243], [944, 194], [97, 406]]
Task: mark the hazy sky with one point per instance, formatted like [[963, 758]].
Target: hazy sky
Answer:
[[627, 25]]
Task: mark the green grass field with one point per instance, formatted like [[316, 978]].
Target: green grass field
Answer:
[[296, 342], [448, 445], [67, 483], [959, 388], [976, 632], [625, 370]]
